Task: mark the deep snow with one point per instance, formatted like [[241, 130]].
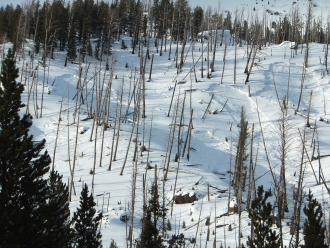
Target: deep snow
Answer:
[[210, 153]]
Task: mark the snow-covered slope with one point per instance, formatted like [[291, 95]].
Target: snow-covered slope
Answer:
[[214, 137]]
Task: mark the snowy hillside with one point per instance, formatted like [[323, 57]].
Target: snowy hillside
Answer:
[[176, 105]]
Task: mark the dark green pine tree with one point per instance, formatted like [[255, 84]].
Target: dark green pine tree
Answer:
[[71, 50], [176, 241], [314, 230], [197, 20], [259, 213], [86, 222], [58, 213], [150, 237], [61, 16], [23, 190]]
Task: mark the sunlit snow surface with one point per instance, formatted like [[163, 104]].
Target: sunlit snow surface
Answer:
[[210, 153]]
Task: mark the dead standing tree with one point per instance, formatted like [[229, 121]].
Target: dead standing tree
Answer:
[[240, 169], [57, 132], [297, 197], [116, 127], [134, 124], [217, 19], [77, 112], [171, 139], [285, 146], [252, 186]]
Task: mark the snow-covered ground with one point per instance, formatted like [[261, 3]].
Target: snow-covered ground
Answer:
[[212, 148]]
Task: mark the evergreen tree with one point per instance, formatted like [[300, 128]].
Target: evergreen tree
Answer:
[[60, 15], [86, 222], [10, 21], [197, 21], [177, 241], [314, 230], [228, 22], [23, 190], [261, 221], [150, 237], [89, 49], [2, 21], [113, 244], [71, 50], [59, 213], [181, 7]]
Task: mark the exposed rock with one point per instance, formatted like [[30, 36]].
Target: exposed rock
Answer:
[[184, 199]]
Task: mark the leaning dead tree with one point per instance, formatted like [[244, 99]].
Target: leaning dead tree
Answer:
[[217, 23], [171, 139], [308, 33], [116, 128], [76, 143], [134, 124], [255, 46], [57, 131], [302, 83], [251, 184]]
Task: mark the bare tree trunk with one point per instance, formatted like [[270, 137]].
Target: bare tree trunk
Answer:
[[152, 61], [57, 131], [309, 19], [193, 59], [43, 81], [30, 89], [208, 56], [75, 152], [214, 48], [249, 55], [156, 192], [298, 197], [207, 108], [113, 137], [171, 139], [176, 179], [188, 133], [327, 49], [35, 105], [169, 110], [202, 67], [106, 113], [149, 141], [251, 172], [134, 175], [252, 63], [68, 144], [183, 47], [224, 63], [199, 219], [189, 140], [180, 126], [309, 108], [130, 98], [118, 129], [169, 53], [135, 121], [137, 125], [266, 151], [303, 76], [117, 123], [129, 143]]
